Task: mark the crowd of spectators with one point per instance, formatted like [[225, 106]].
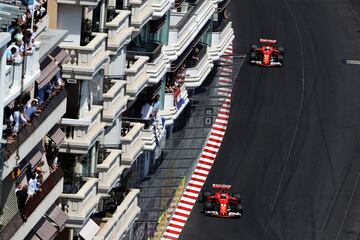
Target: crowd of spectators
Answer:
[[24, 192], [174, 84], [24, 108], [23, 28]]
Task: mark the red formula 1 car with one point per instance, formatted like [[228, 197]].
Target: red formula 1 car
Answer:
[[222, 203], [267, 54]]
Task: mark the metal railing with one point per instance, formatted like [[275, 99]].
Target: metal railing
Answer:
[[151, 49]]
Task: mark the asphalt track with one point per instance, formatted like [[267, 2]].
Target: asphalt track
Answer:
[[298, 176]]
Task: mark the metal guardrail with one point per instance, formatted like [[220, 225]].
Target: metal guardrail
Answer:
[[151, 50]]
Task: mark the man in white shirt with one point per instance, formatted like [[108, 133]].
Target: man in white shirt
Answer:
[[146, 110]]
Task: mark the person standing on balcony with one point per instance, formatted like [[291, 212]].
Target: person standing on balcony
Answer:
[[147, 110], [156, 105], [33, 185], [11, 54], [195, 57], [22, 196], [17, 119]]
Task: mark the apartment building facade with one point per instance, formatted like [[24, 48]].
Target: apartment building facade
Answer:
[[116, 59]]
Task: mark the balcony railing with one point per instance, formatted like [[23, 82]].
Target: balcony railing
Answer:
[[141, 12], [82, 203], [151, 50], [110, 171], [137, 78], [21, 74], [119, 32], [85, 60], [81, 134], [25, 132], [160, 7], [46, 188], [115, 227], [132, 144]]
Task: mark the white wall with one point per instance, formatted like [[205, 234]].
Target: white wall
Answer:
[[84, 98], [113, 133], [69, 18], [118, 63], [5, 37]]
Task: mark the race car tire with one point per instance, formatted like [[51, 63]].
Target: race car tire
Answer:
[[239, 208], [253, 47], [280, 58], [281, 50], [237, 196], [204, 195], [208, 206], [253, 56]]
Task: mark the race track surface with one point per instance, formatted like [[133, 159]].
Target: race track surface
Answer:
[[297, 173]]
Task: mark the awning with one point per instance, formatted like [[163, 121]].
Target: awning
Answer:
[[34, 157], [89, 231], [56, 135], [48, 70], [44, 230], [57, 216], [61, 56]]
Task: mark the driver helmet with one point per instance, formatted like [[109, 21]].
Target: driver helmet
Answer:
[[267, 48], [223, 196]]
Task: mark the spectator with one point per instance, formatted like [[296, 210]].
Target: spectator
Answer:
[[22, 196], [195, 57], [33, 185], [168, 87], [18, 187], [146, 110], [156, 105], [19, 43], [11, 54], [31, 110], [17, 119], [28, 40]]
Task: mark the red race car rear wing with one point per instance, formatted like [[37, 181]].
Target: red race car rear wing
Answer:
[[221, 186], [262, 40]]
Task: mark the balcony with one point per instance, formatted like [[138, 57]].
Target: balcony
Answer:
[[114, 100], [184, 27], [85, 61], [82, 203], [152, 134], [137, 77], [222, 36], [81, 134], [120, 223], [119, 32], [172, 108], [160, 7], [29, 136], [198, 72], [156, 65], [93, 3], [141, 13], [36, 207], [132, 143], [110, 171], [15, 83]]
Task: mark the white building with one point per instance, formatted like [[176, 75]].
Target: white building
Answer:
[[115, 56]]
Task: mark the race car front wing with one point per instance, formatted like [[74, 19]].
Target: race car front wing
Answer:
[[216, 214]]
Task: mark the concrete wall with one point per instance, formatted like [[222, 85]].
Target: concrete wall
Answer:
[[113, 133], [69, 18]]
